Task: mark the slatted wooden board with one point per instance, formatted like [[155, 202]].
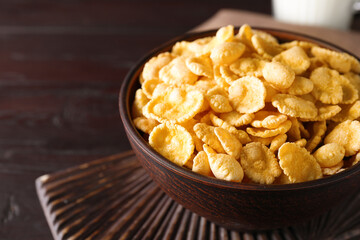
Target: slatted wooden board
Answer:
[[114, 198]]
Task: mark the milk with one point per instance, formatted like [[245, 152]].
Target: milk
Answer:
[[325, 13]]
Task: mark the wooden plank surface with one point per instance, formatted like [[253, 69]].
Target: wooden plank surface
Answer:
[[61, 67], [114, 198]]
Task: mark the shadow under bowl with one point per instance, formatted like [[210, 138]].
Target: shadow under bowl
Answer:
[[236, 206]]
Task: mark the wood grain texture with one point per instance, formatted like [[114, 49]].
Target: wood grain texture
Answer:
[[113, 198], [61, 67]]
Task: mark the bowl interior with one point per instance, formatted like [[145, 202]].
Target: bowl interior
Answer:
[[131, 84]]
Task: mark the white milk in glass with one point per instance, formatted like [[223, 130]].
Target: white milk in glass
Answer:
[[325, 13]]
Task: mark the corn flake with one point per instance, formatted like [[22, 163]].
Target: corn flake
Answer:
[[319, 129], [227, 52], [295, 58], [248, 67], [327, 87], [277, 142], [348, 112], [280, 76], [153, 66], [301, 86], [145, 124], [207, 134], [294, 106], [237, 119], [247, 95], [347, 135], [259, 163], [265, 133], [200, 66], [339, 61], [268, 119], [224, 166], [201, 164], [174, 105], [298, 164], [177, 73], [329, 154], [173, 142], [229, 142]]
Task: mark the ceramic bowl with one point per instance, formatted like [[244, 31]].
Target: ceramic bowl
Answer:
[[238, 206]]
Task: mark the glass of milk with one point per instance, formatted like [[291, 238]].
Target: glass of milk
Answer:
[[325, 13]]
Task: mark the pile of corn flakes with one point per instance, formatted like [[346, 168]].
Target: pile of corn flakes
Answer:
[[245, 108]]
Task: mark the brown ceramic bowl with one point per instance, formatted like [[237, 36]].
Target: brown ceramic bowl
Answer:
[[238, 206]]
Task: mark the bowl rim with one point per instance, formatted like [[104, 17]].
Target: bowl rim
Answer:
[[125, 115]]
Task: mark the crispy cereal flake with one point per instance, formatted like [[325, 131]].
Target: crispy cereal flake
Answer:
[[174, 105], [346, 134], [259, 163], [247, 94], [298, 164], [173, 142]]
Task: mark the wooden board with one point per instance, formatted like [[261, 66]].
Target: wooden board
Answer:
[[114, 198]]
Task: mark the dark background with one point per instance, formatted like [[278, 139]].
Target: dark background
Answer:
[[61, 67]]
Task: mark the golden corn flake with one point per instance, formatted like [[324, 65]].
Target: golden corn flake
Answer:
[[224, 166], [280, 76], [207, 134], [295, 58], [174, 105], [327, 87], [301, 142], [145, 124], [259, 163], [329, 154], [265, 47], [328, 171], [346, 134], [277, 142], [294, 106], [319, 129], [265, 133], [201, 164], [200, 66], [153, 66], [227, 74], [248, 67], [229, 142], [177, 73], [199, 103], [225, 34], [245, 34], [339, 61], [227, 52], [241, 135], [139, 102], [219, 103], [237, 119], [354, 80], [350, 93], [149, 86], [266, 36], [270, 92], [348, 112], [325, 112], [298, 164], [173, 142], [268, 119], [301, 86], [247, 95]]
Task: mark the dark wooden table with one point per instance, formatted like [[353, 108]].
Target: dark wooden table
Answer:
[[61, 67]]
